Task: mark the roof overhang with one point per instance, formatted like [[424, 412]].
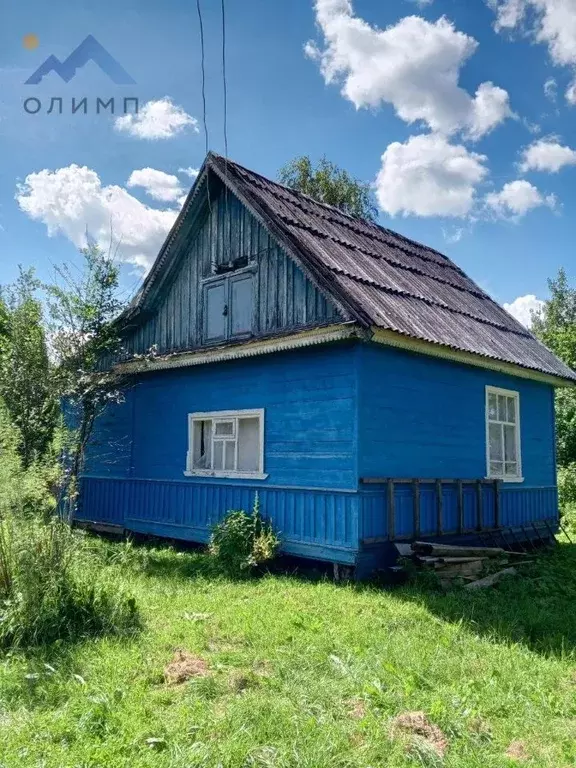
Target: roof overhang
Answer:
[[327, 334], [394, 339], [321, 335]]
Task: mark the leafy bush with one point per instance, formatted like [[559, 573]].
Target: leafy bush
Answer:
[[567, 496], [242, 541], [52, 584], [23, 491], [567, 486]]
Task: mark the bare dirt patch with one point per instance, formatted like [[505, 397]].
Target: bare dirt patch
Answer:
[[418, 726], [356, 709], [183, 667], [517, 751]]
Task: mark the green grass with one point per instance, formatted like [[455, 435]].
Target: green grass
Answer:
[[303, 673]]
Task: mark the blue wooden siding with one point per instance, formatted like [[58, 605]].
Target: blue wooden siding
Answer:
[[518, 507], [424, 417], [333, 414], [309, 399], [318, 523], [283, 297]]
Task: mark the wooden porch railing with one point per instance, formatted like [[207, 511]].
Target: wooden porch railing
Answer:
[[438, 484]]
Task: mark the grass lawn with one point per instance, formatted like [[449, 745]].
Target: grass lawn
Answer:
[[304, 673]]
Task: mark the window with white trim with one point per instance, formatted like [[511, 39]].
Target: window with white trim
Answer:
[[226, 444], [503, 434]]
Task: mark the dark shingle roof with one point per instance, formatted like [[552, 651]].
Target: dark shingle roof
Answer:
[[378, 277]]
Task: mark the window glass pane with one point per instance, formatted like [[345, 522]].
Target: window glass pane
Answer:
[[241, 305], [215, 320], [509, 443], [218, 461], [496, 468], [223, 429], [492, 406], [502, 412], [202, 438], [229, 454], [511, 409], [249, 444], [495, 444], [511, 468]]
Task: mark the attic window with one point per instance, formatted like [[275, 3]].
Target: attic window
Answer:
[[503, 434], [226, 444]]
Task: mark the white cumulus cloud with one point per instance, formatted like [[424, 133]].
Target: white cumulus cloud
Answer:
[[190, 172], [523, 307], [73, 202], [551, 22], [413, 65], [161, 119], [429, 176], [159, 185], [547, 155], [516, 199]]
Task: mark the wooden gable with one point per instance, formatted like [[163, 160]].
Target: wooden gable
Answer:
[[229, 281]]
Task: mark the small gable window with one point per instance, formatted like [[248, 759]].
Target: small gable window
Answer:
[[229, 307], [226, 444], [503, 434]]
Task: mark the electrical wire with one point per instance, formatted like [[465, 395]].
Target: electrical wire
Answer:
[[203, 68], [225, 83], [225, 116], [204, 117]]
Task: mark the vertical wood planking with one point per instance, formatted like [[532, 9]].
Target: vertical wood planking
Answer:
[[439, 506], [391, 511], [479, 505], [460, 501], [285, 298], [416, 506]]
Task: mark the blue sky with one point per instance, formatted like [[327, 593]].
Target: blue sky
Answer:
[[460, 113]]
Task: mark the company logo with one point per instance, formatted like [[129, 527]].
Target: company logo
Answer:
[[88, 50]]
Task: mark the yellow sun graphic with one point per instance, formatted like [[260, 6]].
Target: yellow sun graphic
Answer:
[[30, 42]]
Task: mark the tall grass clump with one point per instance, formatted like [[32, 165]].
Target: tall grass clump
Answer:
[[52, 585], [242, 541]]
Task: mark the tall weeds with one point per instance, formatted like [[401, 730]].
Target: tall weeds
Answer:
[[52, 584]]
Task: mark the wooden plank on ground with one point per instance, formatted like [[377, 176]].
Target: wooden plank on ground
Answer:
[[451, 550], [489, 581]]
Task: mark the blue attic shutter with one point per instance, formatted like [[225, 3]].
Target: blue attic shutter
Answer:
[[215, 311], [241, 305]]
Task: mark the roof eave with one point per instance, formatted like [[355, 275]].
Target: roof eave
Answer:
[[420, 346]]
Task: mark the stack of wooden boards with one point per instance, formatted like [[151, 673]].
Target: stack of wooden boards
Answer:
[[462, 563]]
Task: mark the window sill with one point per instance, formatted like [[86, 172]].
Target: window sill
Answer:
[[227, 475], [507, 479]]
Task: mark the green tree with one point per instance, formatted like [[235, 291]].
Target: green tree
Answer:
[[86, 335], [328, 183], [555, 326], [26, 374]]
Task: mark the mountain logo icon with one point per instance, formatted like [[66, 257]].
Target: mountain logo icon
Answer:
[[88, 50]]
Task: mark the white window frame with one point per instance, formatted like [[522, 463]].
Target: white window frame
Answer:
[[517, 478], [234, 416]]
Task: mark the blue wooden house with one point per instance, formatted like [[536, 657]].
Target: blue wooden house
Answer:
[[360, 382]]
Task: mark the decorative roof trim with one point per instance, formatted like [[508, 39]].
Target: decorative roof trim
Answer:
[[395, 339], [324, 335]]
